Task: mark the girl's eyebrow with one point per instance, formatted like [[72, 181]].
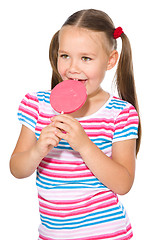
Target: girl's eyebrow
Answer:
[[61, 51], [82, 53], [88, 54]]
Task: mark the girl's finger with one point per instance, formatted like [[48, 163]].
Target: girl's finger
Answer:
[[62, 126], [64, 118], [62, 135]]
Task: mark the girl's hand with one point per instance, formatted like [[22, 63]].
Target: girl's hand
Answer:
[[47, 140], [71, 131]]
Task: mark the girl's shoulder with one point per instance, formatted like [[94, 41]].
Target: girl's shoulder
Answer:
[[124, 118], [118, 105], [117, 108], [34, 107], [37, 98], [43, 96]]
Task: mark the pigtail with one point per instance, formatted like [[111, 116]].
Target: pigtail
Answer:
[[53, 55], [125, 80]]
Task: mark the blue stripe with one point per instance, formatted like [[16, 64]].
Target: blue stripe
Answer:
[[116, 107], [105, 147], [117, 104], [70, 221], [24, 118], [118, 101], [69, 148], [64, 148], [62, 142], [68, 186], [47, 183], [65, 145], [45, 223], [96, 139], [127, 135], [129, 131], [100, 212], [44, 96], [71, 181], [43, 93], [44, 100], [37, 134]]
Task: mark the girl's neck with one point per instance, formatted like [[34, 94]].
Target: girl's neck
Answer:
[[93, 103]]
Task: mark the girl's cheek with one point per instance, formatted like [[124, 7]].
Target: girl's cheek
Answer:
[[61, 69], [59, 66]]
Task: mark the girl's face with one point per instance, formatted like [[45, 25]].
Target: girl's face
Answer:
[[82, 56]]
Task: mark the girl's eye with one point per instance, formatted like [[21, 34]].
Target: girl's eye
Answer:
[[64, 56], [86, 59]]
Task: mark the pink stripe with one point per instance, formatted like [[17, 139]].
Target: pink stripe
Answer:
[[43, 122], [133, 114], [77, 212], [60, 168], [100, 237], [34, 98], [100, 134], [29, 104], [100, 194], [108, 236], [56, 161], [124, 111], [129, 109], [52, 174], [30, 113], [129, 123], [69, 208], [97, 120], [46, 238], [123, 119], [97, 127], [46, 115], [39, 129]]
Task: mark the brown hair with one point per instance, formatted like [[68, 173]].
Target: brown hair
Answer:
[[97, 20]]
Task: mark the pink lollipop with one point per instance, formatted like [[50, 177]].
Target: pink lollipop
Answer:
[[68, 96]]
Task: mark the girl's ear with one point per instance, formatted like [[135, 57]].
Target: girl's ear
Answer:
[[113, 58]]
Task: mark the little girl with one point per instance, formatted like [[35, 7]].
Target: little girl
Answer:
[[83, 159]]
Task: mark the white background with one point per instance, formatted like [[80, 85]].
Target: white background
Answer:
[[26, 29]]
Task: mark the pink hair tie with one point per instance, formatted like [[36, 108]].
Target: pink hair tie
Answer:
[[117, 32]]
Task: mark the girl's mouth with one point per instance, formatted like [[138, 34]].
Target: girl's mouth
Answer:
[[80, 80]]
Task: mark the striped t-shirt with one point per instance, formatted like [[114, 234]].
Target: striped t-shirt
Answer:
[[73, 203]]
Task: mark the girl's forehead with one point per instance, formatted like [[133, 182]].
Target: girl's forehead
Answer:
[[77, 35]]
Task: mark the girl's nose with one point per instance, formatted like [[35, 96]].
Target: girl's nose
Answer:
[[74, 67]]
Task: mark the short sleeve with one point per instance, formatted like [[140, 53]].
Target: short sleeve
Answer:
[[28, 111], [126, 124]]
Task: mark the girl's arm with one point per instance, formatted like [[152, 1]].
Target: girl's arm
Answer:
[[29, 152], [117, 173]]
